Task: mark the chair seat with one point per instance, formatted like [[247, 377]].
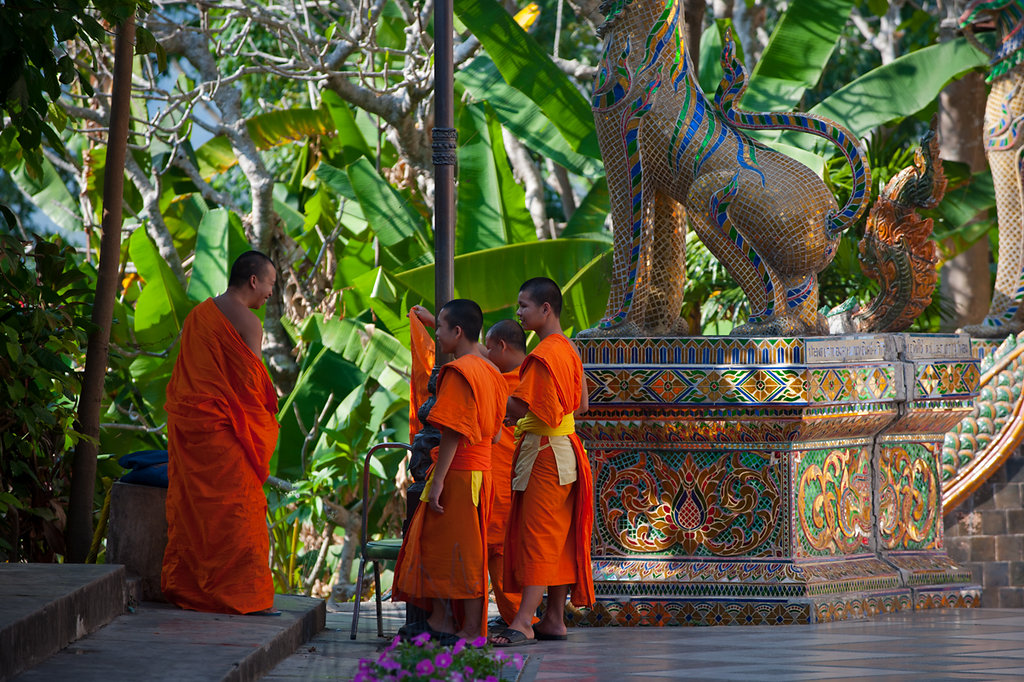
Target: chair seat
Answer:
[[383, 550]]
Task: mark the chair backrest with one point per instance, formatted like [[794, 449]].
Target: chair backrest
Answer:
[[366, 483]]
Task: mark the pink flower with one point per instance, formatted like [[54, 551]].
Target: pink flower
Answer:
[[518, 660], [421, 638], [490, 678], [480, 641], [459, 646], [425, 667], [395, 642], [443, 660], [363, 676]]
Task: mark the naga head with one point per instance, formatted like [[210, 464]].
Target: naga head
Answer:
[[1008, 19], [975, 10], [616, 12]]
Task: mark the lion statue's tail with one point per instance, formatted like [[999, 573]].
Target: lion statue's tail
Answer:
[[733, 84]]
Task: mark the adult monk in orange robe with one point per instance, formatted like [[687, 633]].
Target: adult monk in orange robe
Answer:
[[506, 348], [221, 432], [442, 564], [547, 544]]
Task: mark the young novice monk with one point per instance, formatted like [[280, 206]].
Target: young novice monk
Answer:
[[506, 348], [444, 552], [547, 543]]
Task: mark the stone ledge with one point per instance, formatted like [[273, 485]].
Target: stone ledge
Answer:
[[163, 642], [44, 607]]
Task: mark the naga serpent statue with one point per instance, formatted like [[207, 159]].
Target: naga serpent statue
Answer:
[[1004, 146], [897, 250], [670, 153]]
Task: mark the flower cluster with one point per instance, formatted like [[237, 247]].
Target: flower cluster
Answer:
[[423, 660]]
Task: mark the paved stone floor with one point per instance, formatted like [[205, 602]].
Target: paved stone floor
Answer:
[[950, 644]]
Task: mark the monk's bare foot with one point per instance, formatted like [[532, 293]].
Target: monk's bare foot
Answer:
[[549, 628], [512, 637]]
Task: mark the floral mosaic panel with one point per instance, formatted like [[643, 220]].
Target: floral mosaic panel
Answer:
[[833, 501], [909, 497], [673, 503]]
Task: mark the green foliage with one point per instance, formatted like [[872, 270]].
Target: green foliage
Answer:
[[43, 327], [33, 70]]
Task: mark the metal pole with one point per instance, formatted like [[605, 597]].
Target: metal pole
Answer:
[[444, 157]]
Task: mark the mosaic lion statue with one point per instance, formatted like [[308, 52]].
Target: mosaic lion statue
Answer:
[[670, 153]]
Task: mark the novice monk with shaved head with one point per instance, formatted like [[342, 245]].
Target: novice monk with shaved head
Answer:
[[506, 348], [221, 432], [442, 566], [547, 544]]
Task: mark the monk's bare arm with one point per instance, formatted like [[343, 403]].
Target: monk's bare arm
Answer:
[[252, 332], [584, 397], [445, 455], [243, 320], [515, 410]]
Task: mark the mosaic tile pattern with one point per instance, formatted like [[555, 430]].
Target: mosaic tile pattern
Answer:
[[768, 218], [792, 492], [687, 504], [833, 501], [992, 426], [910, 497]]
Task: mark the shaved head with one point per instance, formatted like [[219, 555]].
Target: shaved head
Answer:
[[510, 332]]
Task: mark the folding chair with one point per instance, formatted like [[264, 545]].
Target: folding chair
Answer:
[[376, 551]]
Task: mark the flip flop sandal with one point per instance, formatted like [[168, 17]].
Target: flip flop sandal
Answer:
[[514, 637], [444, 638]]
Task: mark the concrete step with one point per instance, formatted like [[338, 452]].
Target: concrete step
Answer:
[[163, 642], [44, 607]]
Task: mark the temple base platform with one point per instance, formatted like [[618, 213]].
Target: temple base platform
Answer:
[[771, 481]]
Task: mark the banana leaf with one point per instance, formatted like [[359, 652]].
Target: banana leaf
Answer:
[[492, 277], [589, 218], [526, 66], [388, 213], [584, 296], [491, 206], [219, 241], [902, 87], [163, 304], [51, 195], [799, 49], [522, 116]]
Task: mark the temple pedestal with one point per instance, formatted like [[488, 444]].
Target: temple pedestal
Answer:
[[755, 481]]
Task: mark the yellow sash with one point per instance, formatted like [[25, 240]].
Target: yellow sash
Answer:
[[476, 482], [531, 423]]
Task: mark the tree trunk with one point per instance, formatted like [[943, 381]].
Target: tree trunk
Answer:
[[966, 278], [693, 12], [83, 468]]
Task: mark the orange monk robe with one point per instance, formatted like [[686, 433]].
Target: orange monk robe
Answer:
[[422, 350], [549, 525], [444, 556], [501, 474], [221, 433]]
